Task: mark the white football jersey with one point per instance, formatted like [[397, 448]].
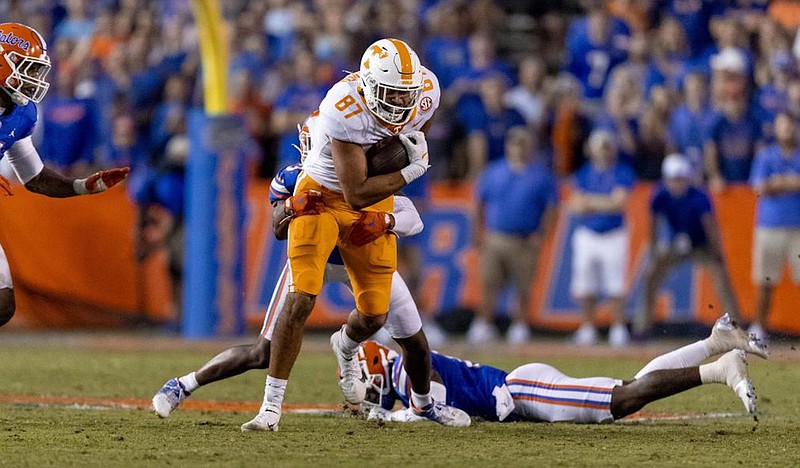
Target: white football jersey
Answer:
[[343, 115]]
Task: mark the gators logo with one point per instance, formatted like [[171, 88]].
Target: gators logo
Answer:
[[11, 39]]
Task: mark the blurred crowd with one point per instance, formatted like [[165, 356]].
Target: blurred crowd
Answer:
[[594, 84]]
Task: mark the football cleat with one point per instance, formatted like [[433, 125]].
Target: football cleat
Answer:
[[481, 332], [266, 420], [734, 364], [726, 335], [169, 397], [758, 331], [618, 336], [518, 333], [586, 335], [444, 415], [351, 380]]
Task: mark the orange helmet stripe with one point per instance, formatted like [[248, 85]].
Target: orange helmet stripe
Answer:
[[406, 64]]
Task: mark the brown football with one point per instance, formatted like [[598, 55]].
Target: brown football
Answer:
[[386, 156]]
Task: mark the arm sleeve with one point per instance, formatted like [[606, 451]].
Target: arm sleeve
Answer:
[[25, 160], [278, 189], [407, 221]]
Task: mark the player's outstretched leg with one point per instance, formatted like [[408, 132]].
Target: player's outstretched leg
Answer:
[[725, 336], [231, 362], [731, 369]]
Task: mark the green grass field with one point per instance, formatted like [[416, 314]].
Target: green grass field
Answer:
[[125, 366]]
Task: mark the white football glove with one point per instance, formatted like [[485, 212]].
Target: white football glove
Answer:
[[417, 149]]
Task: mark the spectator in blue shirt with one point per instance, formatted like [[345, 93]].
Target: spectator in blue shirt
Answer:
[[516, 207], [482, 63], [683, 227], [734, 134], [300, 98], [776, 179], [600, 240], [596, 43], [773, 97], [446, 51], [78, 24], [694, 16], [169, 116], [69, 129], [486, 120], [687, 123], [528, 97]]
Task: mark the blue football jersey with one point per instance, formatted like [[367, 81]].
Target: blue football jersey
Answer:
[[16, 125], [282, 187], [470, 386]]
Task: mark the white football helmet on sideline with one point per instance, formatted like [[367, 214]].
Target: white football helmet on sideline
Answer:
[[391, 80]]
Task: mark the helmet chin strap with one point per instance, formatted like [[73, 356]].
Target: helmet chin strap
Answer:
[[16, 97], [19, 99]]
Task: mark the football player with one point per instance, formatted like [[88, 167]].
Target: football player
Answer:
[[24, 65], [403, 317], [391, 94], [538, 392]]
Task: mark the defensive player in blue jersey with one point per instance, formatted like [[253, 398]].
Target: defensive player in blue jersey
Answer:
[[538, 392], [24, 65], [403, 320]]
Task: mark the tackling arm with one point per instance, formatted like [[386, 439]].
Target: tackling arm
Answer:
[[28, 166]]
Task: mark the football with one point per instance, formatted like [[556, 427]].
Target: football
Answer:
[[386, 156]]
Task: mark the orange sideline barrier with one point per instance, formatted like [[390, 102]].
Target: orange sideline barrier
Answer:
[[72, 263]]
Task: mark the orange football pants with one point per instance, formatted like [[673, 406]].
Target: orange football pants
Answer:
[[313, 237]]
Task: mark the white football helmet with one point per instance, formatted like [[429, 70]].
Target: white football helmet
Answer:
[[391, 79]]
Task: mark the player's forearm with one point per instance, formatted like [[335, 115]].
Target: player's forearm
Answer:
[[51, 184], [372, 190]]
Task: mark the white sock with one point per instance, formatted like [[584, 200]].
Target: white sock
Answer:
[[349, 345], [688, 356], [420, 401], [189, 382], [712, 373], [273, 392]]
